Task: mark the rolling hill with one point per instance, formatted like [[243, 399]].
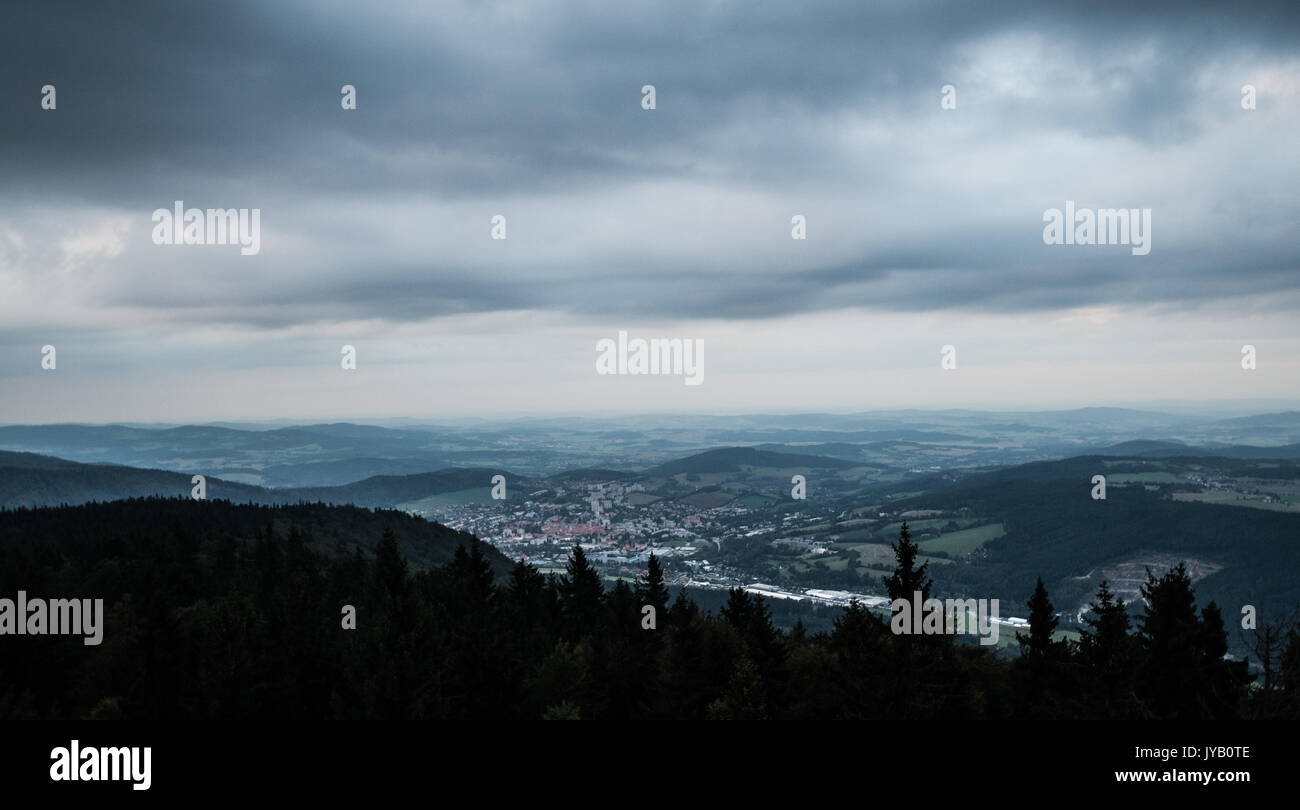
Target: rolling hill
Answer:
[[90, 529], [1168, 449], [731, 459], [31, 480], [1054, 529]]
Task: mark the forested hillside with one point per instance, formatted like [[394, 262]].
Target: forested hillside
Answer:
[[1055, 530], [236, 612]]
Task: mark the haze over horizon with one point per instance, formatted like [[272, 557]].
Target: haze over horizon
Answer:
[[1209, 409]]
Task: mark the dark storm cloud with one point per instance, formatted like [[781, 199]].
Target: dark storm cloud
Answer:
[[251, 89], [469, 105]]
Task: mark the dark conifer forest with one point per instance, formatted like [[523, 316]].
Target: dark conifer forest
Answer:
[[221, 611]]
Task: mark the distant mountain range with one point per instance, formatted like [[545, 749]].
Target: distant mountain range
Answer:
[[1171, 449], [335, 454], [309, 455], [28, 479]]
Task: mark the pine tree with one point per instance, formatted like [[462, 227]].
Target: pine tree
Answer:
[[468, 582], [1184, 673], [1169, 635], [683, 610], [526, 582], [1224, 680], [1106, 653], [798, 633], [764, 644], [650, 589], [623, 668], [1283, 701], [752, 618], [908, 685], [907, 579], [744, 698], [1108, 625], [1044, 687], [390, 567], [1042, 623], [864, 666], [1289, 666], [581, 594]]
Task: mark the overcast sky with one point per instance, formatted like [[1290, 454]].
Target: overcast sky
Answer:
[[924, 224]]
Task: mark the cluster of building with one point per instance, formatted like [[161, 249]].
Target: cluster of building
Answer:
[[618, 525]]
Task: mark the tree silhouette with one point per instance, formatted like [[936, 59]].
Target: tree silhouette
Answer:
[[1042, 623], [650, 589], [217, 610], [1184, 675], [581, 594], [907, 579]]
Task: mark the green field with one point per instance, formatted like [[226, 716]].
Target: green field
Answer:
[[708, 500], [1144, 478], [1239, 499], [1007, 636], [961, 543], [671, 543], [913, 526], [883, 554], [870, 553]]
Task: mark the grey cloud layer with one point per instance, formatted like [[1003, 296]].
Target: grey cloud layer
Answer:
[[532, 110]]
